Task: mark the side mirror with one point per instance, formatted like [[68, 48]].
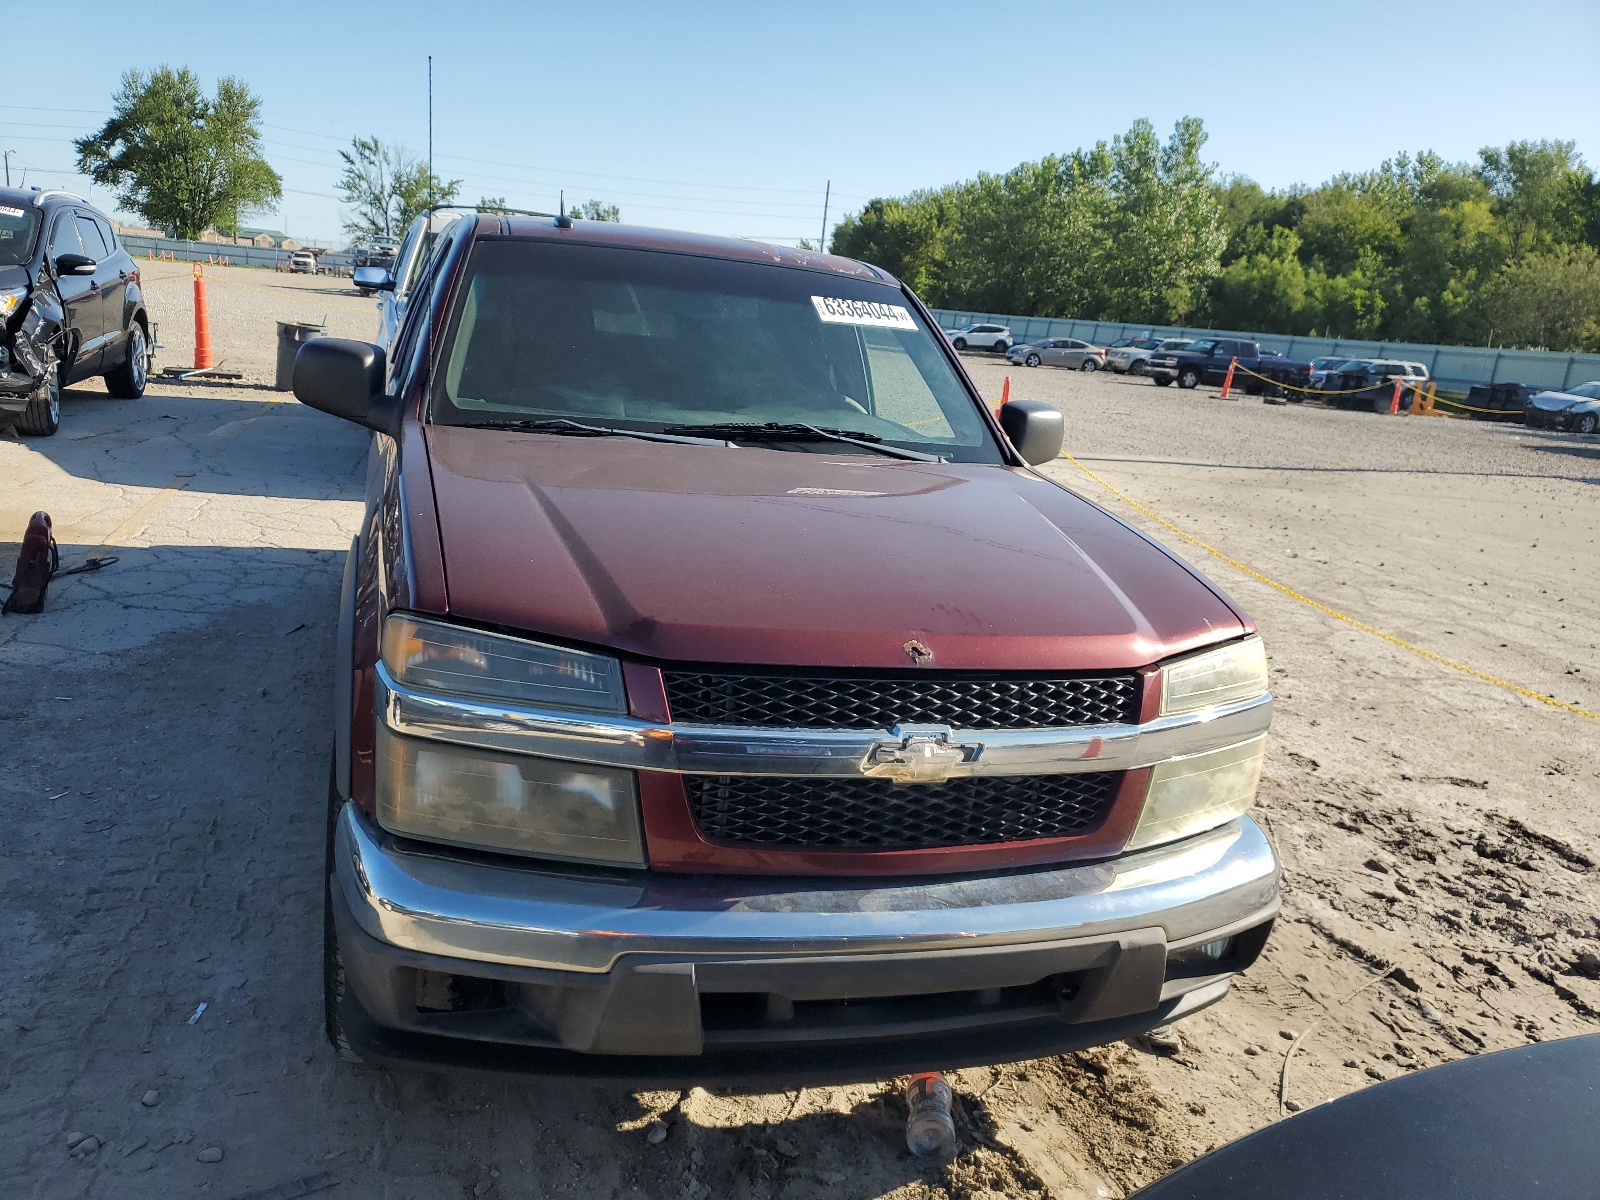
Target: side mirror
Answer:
[[345, 378], [74, 264], [376, 278], [1034, 427]]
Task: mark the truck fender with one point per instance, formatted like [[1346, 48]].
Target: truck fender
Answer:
[[344, 672]]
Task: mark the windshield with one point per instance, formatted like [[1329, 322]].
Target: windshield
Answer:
[[18, 228], [1147, 344], [1203, 346], [646, 340], [1589, 391]]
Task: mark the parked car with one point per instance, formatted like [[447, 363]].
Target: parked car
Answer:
[[1363, 383], [1058, 352], [1576, 408], [1135, 356], [303, 262], [1321, 366], [981, 337], [1206, 360], [638, 772], [71, 307], [395, 281], [374, 254]]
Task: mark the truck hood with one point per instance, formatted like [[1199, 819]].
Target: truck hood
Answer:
[[763, 556]]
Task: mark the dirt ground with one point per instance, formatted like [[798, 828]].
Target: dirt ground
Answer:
[[166, 723]]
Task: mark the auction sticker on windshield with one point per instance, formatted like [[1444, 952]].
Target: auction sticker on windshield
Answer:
[[862, 312]]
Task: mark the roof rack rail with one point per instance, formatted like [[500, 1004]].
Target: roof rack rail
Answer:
[[39, 197], [493, 212]]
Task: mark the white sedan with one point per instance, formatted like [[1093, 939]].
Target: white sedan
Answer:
[[1577, 408]]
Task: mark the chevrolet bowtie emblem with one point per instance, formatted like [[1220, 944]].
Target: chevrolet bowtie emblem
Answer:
[[920, 754]]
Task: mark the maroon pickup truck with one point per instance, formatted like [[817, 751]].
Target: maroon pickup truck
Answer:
[[723, 696]]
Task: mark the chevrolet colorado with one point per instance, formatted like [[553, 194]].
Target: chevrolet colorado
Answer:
[[722, 694]]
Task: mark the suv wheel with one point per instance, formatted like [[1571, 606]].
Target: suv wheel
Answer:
[[1136, 367], [959, 343], [1189, 378], [1000, 347], [127, 381], [42, 417]]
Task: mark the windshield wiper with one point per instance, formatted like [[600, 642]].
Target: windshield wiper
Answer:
[[562, 425], [776, 431]]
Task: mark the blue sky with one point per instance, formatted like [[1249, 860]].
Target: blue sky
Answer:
[[731, 118]]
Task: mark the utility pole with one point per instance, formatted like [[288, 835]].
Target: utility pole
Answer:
[[430, 121], [822, 242]]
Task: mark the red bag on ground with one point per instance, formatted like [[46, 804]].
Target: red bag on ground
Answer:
[[38, 561]]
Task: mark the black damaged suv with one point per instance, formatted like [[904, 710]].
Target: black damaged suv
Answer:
[[70, 307]]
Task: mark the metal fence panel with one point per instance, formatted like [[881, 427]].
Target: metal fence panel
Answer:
[[1455, 367], [215, 252]]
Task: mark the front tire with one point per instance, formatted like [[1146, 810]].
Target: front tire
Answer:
[[1136, 367], [1032, 360], [1189, 379], [1587, 423], [42, 417], [959, 343], [1160, 380], [127, 381]]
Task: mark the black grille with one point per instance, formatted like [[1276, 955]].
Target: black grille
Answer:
[[876, 814], [844, 702]]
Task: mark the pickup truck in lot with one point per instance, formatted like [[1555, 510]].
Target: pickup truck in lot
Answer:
[[1206, 361], [723, 695]]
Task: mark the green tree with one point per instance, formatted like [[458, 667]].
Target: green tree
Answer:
[[1549, 301], [1535, 190], [594, 210], [1165, 226], [492, 204], [386, 187], [182, 161]]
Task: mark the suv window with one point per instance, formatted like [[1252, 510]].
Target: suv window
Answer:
[[64, 236], [18, 228], [106, 233], [647, 340], [89, 234]]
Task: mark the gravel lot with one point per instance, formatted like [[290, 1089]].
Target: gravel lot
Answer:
[[167, 720], [244, 306]]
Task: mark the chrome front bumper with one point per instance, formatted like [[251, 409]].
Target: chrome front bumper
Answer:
[[440, 903], [598, 974], [632, 744]]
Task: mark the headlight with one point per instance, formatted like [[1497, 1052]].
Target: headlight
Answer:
[[510, 802], [1234, 672], [437, 657], [1190, 795], [9, 299]]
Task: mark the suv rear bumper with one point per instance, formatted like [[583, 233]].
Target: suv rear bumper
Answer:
[[485, 962]]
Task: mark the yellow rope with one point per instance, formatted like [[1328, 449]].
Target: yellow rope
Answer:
[[1332, 612]]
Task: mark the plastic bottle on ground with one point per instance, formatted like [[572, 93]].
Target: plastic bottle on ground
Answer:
[[930, 1130]]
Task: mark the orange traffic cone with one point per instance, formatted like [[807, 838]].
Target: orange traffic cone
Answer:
[[1227, 380], [202, 324]]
